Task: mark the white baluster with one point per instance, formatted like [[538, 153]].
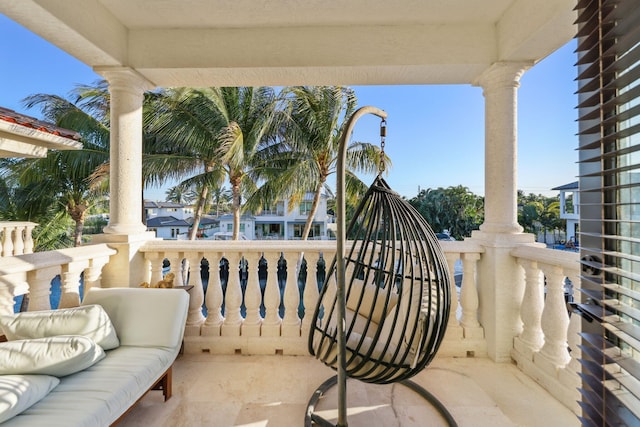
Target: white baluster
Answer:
[[28, 239], [18, 240], [40, 287], [7, 241], [233, 298], [213, 298], [195, 318], [176, 268], [310, 294], [469, 291], [156, 260], [555, 319], [252, 297], [93, 274], [70, 284], [291, 320], [272, 321], [531, 308], [452, 257], [6, 296]]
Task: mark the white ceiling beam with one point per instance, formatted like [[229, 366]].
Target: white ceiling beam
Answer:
[[529, 32]]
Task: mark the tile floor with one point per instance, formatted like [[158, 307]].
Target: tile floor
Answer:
[[260, 391]]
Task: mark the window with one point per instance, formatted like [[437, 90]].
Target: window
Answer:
[[277, 209], [609, 117], [314, 232], [305, 207]]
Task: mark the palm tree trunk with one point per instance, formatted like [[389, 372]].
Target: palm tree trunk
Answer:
[[197, 215], [76, 212], [312, 212], [235, 191], [77, 235]]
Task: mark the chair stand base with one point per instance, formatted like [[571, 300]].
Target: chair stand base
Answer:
[[311, 419]]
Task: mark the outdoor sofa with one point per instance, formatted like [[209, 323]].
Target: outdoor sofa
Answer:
[[121, 341]]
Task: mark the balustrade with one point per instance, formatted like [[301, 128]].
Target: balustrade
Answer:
[[16, 238], [266, 291], [30, 275], [544, 348]]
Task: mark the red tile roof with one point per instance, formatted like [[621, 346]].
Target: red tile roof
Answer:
[[30, 122]]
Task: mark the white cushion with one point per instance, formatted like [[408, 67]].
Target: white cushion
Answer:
[[144, 317], [58, 356], [19, 392], [375, 311], [90, 321]]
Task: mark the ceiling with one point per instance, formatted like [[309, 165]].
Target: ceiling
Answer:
[[290, 42]]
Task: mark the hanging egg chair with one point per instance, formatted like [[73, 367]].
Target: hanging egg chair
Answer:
[[397, 291], [383, 309]]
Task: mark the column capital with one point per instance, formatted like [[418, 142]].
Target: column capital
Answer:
[[125, 78], [502, 74]]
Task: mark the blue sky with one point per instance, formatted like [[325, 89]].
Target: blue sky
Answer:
[[435, 134]]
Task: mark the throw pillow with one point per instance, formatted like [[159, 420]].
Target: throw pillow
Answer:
[[19, 392], [58, 356], [89, 320]]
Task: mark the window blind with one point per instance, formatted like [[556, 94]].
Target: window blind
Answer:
[[609, 150]]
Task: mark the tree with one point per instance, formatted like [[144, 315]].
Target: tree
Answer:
[[18, 204], [178, 195], [205, 135], [539, 213], [66, 174], [221, 199], [306, 153], [181, 144], [453, 208]]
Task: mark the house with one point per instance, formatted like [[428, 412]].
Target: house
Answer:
[[282, 223], [208, 226], [570, 211], [510, 324], [168, 220], [25, 136], [247, 225], [159, 209], [168, 227]]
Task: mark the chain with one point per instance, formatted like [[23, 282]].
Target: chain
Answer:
[[383, 135]]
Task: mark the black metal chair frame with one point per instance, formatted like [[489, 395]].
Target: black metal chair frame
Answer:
[[383, 321]]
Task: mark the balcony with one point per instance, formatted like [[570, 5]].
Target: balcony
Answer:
[[509, 356], [251, 366]]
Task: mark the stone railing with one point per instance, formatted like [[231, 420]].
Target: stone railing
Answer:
[[547, 348], [15, 238], [32, 274], [263, 301]]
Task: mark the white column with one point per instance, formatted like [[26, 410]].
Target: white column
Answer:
[[126, 89], [500, 85], [500, 279]]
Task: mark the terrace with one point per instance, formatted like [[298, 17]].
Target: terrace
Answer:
[[510, 354]]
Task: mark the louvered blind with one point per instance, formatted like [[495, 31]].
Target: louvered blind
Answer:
[[609, 121]]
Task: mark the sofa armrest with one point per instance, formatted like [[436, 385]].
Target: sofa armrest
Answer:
[[144, 317]]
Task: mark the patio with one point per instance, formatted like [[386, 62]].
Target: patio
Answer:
[[208, 390]]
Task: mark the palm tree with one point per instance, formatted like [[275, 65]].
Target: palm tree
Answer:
[[178, 195], [251, 118], [306, 154], [181, 144], [205, 135], [66, 174], [221, 199]]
